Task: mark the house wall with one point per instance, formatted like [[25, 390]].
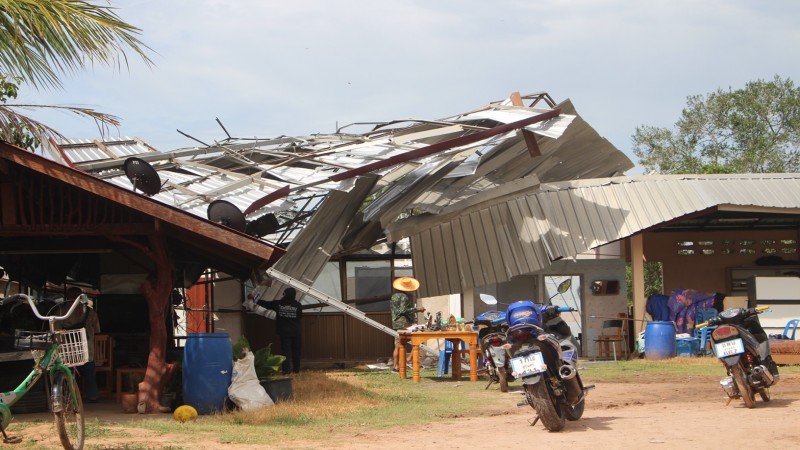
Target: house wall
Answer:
[[594, 308], [328, 338], [707, 268], [606, 265]]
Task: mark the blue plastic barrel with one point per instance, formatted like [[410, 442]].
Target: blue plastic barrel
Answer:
[[207, 366], [659, 340]]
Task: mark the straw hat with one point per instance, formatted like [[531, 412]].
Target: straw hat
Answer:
[[406, 284]]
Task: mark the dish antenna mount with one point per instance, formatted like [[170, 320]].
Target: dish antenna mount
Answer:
[[143, 176], [226, 213]]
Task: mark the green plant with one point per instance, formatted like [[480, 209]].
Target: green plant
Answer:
[[266, 363]]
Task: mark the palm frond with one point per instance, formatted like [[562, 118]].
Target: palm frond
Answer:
[[42, 39], [13, 123]]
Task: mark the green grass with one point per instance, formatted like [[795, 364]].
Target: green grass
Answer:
[[637, 370]]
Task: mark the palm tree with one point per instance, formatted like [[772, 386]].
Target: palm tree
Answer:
[[43, 39]]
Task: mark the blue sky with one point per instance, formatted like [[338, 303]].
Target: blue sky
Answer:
[[268, 68]]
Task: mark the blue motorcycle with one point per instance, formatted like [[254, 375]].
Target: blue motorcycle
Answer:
[[544, 356]]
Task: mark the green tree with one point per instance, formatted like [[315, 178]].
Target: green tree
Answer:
[[751, 130], [40, 40]]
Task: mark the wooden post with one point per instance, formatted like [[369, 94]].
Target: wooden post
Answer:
[[637, 278]]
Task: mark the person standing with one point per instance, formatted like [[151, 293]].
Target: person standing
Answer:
[[84, 317], [289, 313], [404, 312]]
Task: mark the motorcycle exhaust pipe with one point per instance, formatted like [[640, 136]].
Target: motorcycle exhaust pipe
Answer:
[[572, 386], [566, 372], [762, 374]]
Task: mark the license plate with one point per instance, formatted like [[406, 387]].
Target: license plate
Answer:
[[729, 348], [528, 365]]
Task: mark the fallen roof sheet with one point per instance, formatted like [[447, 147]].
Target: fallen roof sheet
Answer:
[[290, 176]]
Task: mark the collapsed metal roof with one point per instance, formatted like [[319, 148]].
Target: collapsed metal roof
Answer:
[[400, 168]]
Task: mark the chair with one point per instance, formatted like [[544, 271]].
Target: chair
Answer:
[[704, 333], [104, 362], [790, 325], [613, 332], [445, 355]]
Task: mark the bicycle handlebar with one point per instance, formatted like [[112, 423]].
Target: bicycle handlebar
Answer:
[[79, 299]]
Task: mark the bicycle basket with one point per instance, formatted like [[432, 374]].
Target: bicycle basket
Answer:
[[72, 347], [32, 340]]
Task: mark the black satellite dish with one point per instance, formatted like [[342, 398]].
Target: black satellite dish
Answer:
[[143, 176], [226, 213]]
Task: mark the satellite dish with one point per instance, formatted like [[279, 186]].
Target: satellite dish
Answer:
[[143, 176], [226, 213], [264, 225]]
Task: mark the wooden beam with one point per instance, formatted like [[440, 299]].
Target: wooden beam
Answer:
[[637, 277]]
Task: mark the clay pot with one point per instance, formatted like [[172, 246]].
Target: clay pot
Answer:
[[129, 401]]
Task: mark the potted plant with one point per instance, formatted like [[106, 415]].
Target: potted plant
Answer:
[[267, 365]]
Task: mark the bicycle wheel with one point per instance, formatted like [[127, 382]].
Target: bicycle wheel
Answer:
[[68, 411]]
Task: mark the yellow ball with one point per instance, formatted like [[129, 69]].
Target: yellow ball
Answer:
[[184, 413]]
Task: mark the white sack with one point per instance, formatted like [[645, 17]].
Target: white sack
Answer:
[[245, 390]]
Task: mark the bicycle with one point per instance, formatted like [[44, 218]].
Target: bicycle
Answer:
[[54, 352]]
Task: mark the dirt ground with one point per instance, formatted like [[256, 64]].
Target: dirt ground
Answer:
[[655, 413], [618, 415]]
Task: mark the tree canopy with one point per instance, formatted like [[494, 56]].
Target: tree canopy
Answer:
[[751, 130], [40, 40]]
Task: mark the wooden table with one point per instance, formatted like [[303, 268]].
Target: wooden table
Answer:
[[419, 337]]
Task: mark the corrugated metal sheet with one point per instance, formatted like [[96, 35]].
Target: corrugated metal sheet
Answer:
[[507, 238], [245, 171]]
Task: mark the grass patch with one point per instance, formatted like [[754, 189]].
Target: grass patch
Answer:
[[642, 370]]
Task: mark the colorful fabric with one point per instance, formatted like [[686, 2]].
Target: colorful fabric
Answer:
[[683, 306], [657, 307]]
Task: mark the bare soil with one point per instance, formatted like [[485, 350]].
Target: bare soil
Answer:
[[691, 413]]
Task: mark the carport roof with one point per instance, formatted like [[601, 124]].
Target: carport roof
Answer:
[[502, 238]]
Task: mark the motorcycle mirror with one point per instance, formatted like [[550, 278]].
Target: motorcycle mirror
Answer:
[[488, 299], [565, 285]]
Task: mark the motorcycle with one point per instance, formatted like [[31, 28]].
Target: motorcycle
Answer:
[[545, 358], [492, 326], [743, 347]]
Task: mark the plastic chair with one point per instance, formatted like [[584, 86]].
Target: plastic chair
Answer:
[[446, 354], [792, 324], [704, 333], [104, 362], [613, 332]]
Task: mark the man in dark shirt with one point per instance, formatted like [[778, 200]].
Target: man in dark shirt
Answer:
[[289, 313]]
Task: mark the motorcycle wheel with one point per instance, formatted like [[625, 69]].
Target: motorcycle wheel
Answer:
[[550, 413], [573, 413], [744, 389], [501, 373], [764, 393]]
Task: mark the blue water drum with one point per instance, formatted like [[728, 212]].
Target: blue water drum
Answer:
[[659, 340], [207, 366]]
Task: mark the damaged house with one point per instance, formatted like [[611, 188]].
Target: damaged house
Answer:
[[508, 198]]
